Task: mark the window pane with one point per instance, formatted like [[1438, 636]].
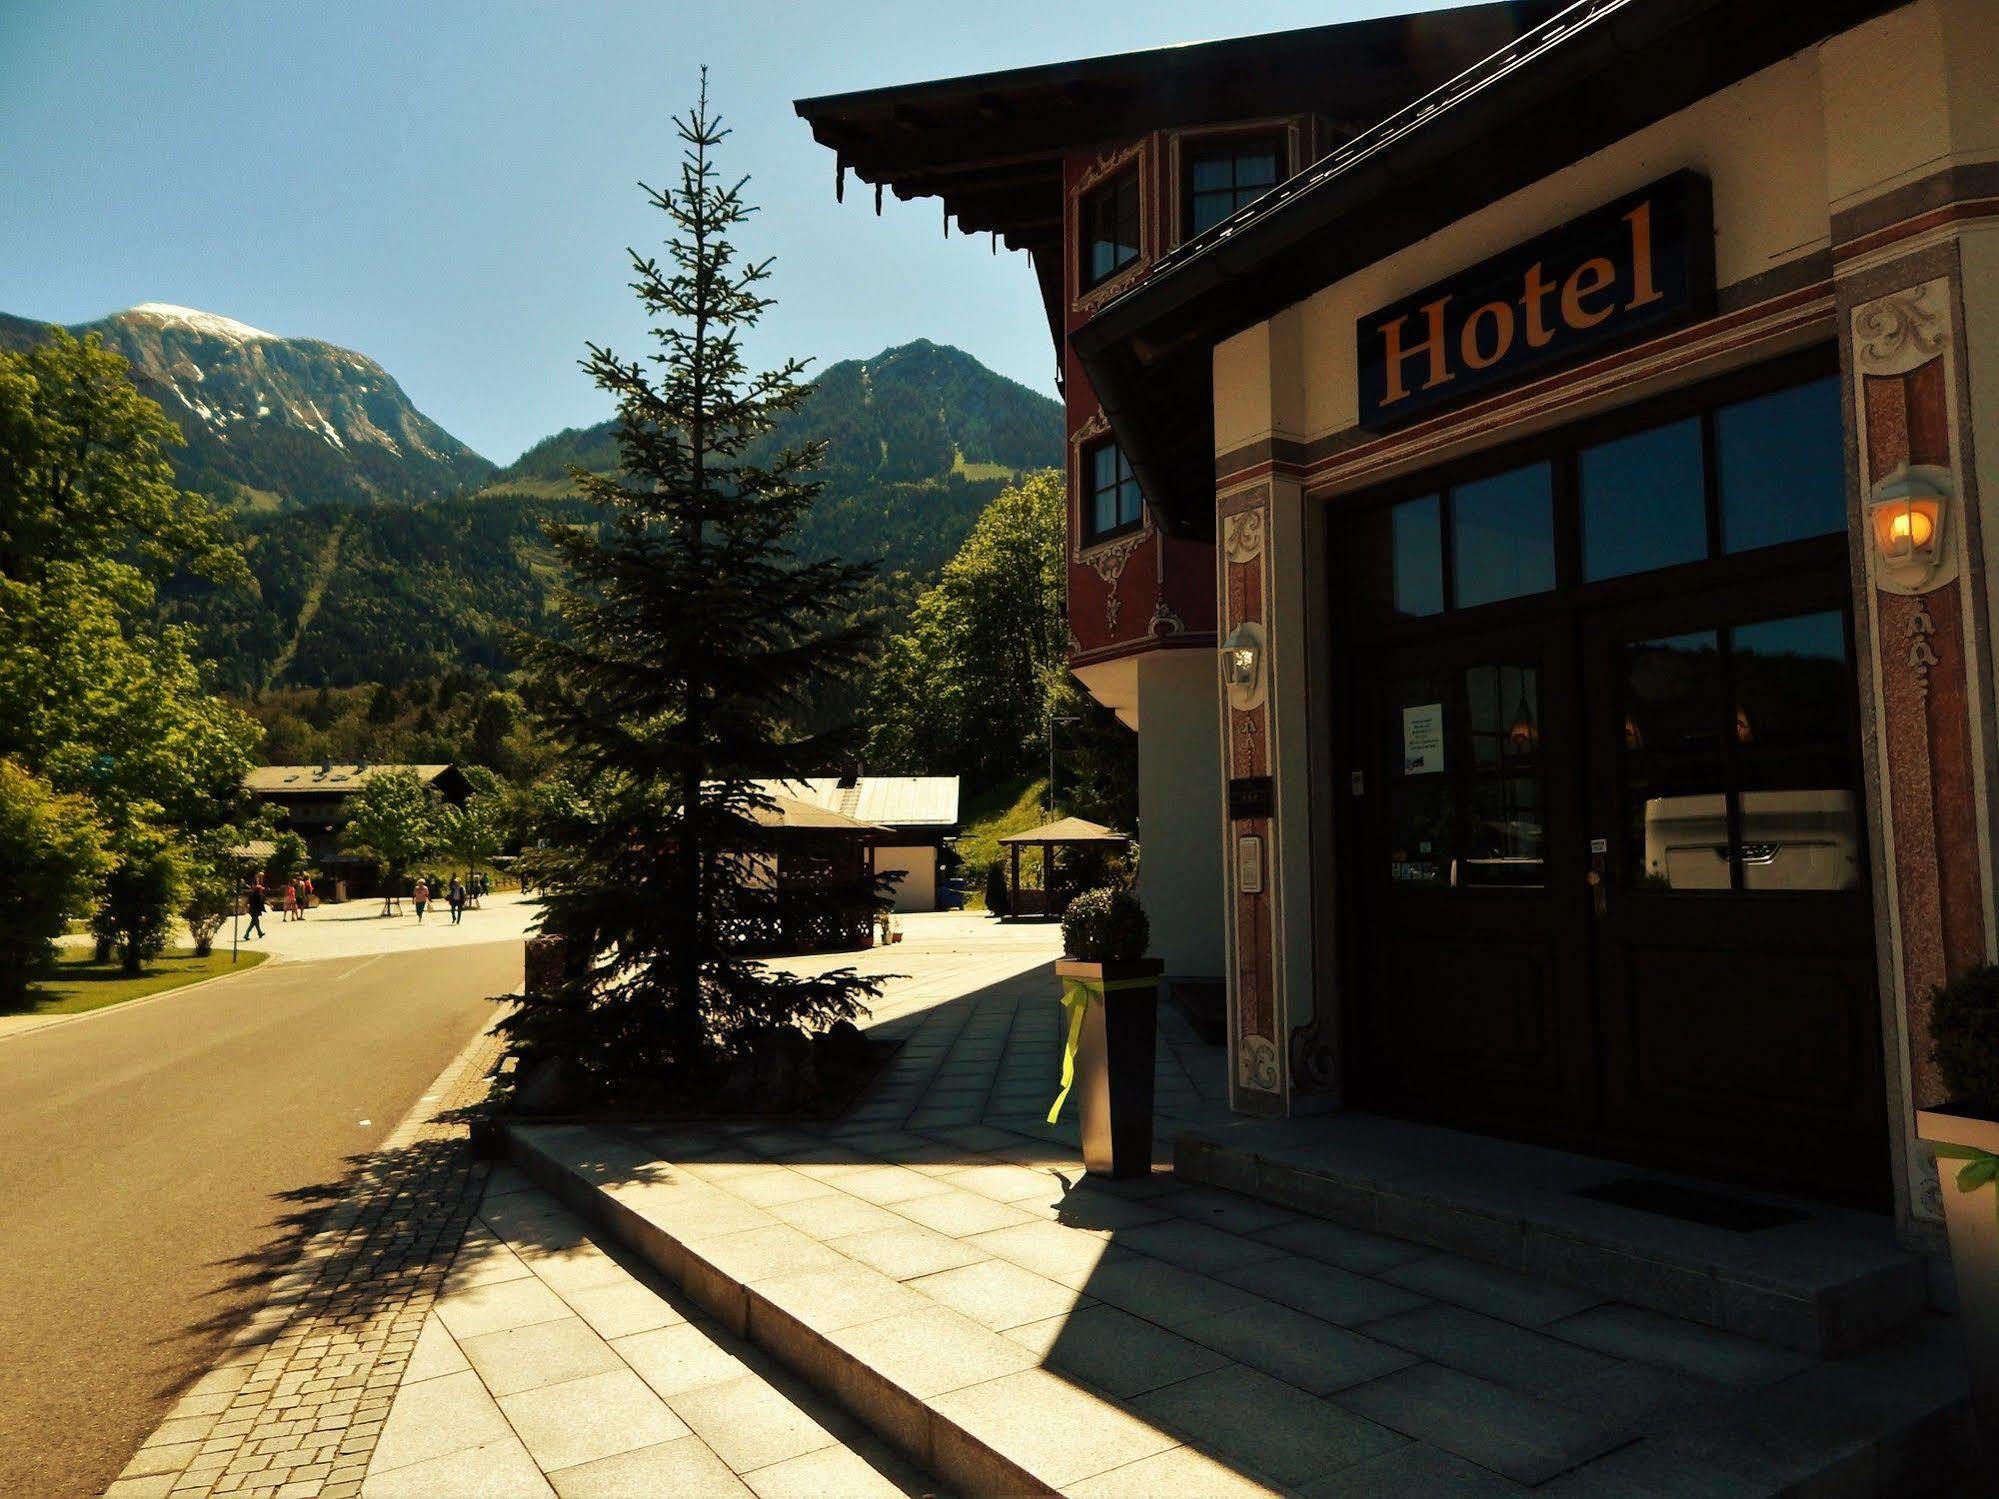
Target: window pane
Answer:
[[1673, 772], [1103, 514], [1213, 172], [1643, 502], [1417, 544], [1210, 209], [1781, 459], [1503, 543], [1256, 169], [1504, 837], [1503, 704], [1502, 842], [1110, 216], [1104, 465], [1791, 731], [1129, 505]]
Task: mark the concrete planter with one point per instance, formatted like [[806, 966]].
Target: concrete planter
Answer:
[[1972, 1219], [1114, 1062]]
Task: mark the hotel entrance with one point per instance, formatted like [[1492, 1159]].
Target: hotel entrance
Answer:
[[1604, 748]]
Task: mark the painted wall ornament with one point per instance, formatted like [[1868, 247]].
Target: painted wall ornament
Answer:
[[1897, 332]]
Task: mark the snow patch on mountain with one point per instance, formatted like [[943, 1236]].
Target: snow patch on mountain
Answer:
[[202, 322]]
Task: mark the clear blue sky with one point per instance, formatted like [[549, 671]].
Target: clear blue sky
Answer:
[[448, 187]]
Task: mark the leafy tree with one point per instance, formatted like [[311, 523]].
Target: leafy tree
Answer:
[[694, 637], [473, 833], [212, 879], [392, 819], [51, 859], [289, 855], [144, 891]]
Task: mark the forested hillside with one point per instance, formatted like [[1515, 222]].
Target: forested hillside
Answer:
[[920, 439]]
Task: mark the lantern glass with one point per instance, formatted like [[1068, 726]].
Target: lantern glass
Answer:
[[1905, 527]]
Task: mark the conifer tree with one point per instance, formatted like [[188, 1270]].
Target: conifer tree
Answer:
[[694, 637]]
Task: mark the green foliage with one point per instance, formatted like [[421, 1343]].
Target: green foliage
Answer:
[[52, 856], [470, 835], [288, 859], [980, 674], [693, 639], [1964, 1037], [211, 879], [1105, 926], [393, 819], [144, 892]]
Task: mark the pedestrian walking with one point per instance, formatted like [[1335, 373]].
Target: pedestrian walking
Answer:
[[456, 898], [421, 897], [253, 902], [291, 900], [305, 893]]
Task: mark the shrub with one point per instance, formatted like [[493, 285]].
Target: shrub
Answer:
[[51, 859], [997, 900], [1964, 1037], [1105, 926], [144, 891]]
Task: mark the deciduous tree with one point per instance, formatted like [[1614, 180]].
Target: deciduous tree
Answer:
[[52, 857]]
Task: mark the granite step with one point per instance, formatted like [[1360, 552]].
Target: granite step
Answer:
[[1829, 1282]]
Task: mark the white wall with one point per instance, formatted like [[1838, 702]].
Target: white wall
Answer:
[[1180, 810], [917, 890]]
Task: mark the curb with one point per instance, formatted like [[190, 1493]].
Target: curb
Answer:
[[913, 1425]]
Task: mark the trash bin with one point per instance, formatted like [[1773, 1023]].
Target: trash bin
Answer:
[[1112, 1010]]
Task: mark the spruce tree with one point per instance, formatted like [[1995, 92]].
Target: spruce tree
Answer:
[[693, 639]]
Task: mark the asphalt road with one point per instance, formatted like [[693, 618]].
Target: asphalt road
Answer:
[[155, 1159]]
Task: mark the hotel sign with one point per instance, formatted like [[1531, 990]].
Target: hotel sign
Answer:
[[1620, 271]]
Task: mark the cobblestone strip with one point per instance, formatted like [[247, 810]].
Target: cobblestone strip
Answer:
[[295, 1406]]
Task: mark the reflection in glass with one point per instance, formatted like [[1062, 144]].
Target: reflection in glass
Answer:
[[1504, 832], [1644, 501], [1503, 536], [1780, 461], [1673, 771], [1417, 543], [1792, 686]]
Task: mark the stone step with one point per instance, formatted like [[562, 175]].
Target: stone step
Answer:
[[1829, 1283], [967, 1404]]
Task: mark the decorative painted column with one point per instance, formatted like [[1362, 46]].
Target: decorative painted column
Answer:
[[1926, 665]]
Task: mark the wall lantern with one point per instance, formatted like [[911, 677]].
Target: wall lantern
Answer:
[[1907, 512], [1242, 665]]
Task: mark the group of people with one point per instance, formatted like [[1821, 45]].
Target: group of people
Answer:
[[294, 901], [457, 896]]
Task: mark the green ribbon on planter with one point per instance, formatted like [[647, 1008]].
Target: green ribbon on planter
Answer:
[[1076, 1000], [1980, 1168]]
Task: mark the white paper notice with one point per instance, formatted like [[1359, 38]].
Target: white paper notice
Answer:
[[1423, 739]]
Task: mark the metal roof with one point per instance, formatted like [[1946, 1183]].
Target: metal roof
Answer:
[[892, 801], [280, 778]]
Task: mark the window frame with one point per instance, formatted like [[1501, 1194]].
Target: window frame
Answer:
[[1125, 178], [1088, 490], [1234, 144]]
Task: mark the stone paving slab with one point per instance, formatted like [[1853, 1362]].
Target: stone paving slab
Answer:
[[538, 1400]]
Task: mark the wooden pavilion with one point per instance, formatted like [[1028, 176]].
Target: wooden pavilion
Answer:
[[1048, 903]]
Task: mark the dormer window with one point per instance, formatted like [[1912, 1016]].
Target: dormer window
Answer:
[[1112, 504], [1110, 223], [1225, 175]]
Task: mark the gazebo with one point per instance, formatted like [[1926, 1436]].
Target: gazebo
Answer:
[[1064, 832]]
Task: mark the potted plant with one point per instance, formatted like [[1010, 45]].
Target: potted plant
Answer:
[[1110, 999], [1964, 1135]]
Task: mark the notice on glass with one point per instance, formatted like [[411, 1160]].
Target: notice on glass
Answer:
[[1423, 739]]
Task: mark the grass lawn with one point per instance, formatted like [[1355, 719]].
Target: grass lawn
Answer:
[[76, 984], [1013, 807]]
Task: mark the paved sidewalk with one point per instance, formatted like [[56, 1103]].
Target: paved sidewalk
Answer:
[[297, 1404], [551, 1367]]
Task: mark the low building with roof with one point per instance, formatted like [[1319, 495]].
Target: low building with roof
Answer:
[[918, 816], [311, 801]]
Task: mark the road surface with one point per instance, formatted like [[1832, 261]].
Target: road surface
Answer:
[[156, 1161]]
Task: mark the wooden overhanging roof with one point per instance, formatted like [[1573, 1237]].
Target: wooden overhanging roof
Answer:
[[990, 145], [343, 780], [1579, 81], [790, 815], [1068, 831]]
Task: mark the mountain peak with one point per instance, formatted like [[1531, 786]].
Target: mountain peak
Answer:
[[198, 321]]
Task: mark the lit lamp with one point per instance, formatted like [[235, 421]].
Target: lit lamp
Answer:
[[1906, 512], [1242, 664]]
